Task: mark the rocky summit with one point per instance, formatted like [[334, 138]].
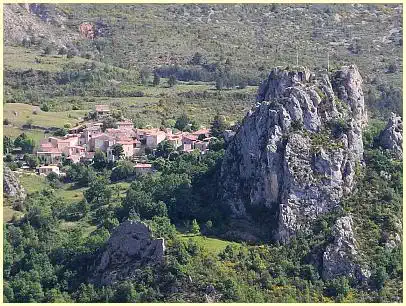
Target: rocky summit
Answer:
[[129, 247], [296, 152]]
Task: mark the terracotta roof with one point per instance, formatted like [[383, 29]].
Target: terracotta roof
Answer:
[[125, 142], [202, 131], [143, 166], [103, 137], [190, 137], [127, 122], [50, 150], [102, 108], [46, 145], [48, 167]]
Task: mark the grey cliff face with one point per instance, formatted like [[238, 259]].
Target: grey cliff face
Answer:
[[391, 137], [290, 157], [129, 247], [340, 258], [11, 186]]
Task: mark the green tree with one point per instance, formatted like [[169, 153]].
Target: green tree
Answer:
[[209, 225], [8, 144], [99, 160], [25, 143], [125, 293], [379, 277], [71, 53], [60, 132], [118, 151], [195, 228], [219, 83], [53, 180], [157, 79], [62, 50], [123, 170], [27, 287], [198, 59], [172, 81], [144, 76], [109, 123], [48, 50], [44, 107], [182, 122], [31, 160], [218, 126], [99, 193], [164, 148]]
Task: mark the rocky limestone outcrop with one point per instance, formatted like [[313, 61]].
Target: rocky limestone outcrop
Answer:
[[391, 137], [39, 22], [340, 257], [12, 188], [295, 154], [130, 247]]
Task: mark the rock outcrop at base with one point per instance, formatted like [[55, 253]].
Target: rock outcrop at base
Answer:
[[296, 153], [129, 248], [11, 187], [340, 258], [391, 137]]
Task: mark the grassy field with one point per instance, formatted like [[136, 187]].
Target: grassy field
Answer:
[[9, 212], [212, 245], [13, 132], [19, 58], [18, 114]]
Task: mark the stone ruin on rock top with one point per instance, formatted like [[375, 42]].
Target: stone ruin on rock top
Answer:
[[296, 152]]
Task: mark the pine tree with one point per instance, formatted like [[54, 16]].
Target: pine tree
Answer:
[[195, 228], [157, 79]]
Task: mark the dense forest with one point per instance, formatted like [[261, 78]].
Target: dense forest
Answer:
[[45, 263]]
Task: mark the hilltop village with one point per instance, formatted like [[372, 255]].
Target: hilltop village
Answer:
[[123, 141]]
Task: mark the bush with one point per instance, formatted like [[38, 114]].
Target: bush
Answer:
[[61, 132], [123, 170], [44, 107], [172, 81], [48, 50], [71, 53], [393, 68]]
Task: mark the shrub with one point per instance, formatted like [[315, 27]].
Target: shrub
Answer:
[[296, 125], [172, 81], [44, 107], [123, 170]]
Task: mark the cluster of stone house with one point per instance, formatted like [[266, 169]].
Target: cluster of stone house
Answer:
[[83, 141]]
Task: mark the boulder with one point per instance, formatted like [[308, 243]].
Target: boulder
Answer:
[[130, 247], [391, 137]]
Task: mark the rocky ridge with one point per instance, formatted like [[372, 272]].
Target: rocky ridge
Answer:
[[297, 151], [12, 188], [39, 21], [340, 257], [130, 247]]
